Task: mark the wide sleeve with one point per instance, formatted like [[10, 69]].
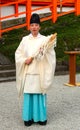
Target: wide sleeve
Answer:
[[20, 67], [47, 69], [19, 54], [50, 65]]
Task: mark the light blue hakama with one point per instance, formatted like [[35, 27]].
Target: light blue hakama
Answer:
[[34, 107]]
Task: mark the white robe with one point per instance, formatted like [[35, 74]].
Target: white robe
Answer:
[[38, 76]]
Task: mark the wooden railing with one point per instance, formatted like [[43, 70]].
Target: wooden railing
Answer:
[[16, 14], [52, 5], [28, 12]]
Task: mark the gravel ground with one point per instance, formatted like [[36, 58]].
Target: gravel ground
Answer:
[[63, 106]]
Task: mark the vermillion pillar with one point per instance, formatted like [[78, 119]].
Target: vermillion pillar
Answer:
[[0, 21], [77, 7], [54, 10], [16, 10], [28, 13]]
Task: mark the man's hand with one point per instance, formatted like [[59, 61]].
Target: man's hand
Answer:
[[29, 61]]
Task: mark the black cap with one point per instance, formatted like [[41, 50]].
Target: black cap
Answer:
[[35, 19]]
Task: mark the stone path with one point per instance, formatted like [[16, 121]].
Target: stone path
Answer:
[[63, 107]]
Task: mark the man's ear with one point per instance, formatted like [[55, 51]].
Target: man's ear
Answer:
[[39, 27]]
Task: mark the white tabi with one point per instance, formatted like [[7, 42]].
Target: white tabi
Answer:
[[38, 76]]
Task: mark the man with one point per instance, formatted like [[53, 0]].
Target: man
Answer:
[[34, 73]]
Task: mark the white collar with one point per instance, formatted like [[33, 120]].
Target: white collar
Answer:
[[31, 36]]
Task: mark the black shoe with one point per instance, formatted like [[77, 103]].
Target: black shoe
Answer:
[[42, 122], [28, 123]]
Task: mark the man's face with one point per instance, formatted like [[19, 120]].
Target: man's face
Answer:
[[34, 28]]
